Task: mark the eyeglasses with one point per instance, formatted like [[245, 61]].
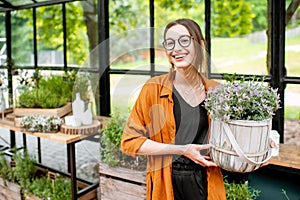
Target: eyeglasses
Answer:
[[183, 41]]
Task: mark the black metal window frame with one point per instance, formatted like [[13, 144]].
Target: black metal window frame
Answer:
[[278, 77], [6, 5]]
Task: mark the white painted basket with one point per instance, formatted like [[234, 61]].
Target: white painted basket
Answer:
[[240, 145]]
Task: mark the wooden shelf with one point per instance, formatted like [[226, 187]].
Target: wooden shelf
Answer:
[[289, 156], [58, 137], [7, 121]]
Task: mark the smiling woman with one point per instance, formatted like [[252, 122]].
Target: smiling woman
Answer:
[[160, 124]]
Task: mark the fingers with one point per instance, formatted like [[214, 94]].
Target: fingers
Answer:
[[272, 143], [206, 146], [207, 163], [264, 164], [207, 157], [193, 153]]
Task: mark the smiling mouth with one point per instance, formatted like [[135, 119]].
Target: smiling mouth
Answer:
[[179, 56]]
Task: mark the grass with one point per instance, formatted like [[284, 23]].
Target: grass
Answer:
[[292, 63], [231, 50], [241, 56], [292, 112]]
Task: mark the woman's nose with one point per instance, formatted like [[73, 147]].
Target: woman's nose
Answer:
[[177, 46]]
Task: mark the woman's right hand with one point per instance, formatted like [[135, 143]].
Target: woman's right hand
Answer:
[[193, 152]]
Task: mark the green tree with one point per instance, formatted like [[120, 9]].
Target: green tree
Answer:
[[231, 18], [21, 46], [168, 10], [82, 27], [123, 15], [50, 30], [175, 4], [260, 19]]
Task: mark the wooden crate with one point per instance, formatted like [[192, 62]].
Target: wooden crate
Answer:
[[31, 197], [9, 191], [91, 195], [12, 191], [56, 112], [121, 183]]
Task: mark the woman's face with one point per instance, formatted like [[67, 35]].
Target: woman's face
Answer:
[[183, 52]]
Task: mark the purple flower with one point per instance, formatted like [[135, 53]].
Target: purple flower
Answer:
[[245, 101]]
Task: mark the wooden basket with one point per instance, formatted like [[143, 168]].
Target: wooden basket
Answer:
[[240, 146]]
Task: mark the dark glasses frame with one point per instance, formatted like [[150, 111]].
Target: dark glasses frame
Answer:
[[169, 44]]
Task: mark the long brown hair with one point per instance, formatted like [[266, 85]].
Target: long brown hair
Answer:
[[200, 62]]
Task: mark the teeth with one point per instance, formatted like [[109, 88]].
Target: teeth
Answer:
[[179, 56]]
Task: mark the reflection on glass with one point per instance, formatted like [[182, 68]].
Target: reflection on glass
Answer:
[[124, 91]]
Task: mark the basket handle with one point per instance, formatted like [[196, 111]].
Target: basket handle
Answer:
[[239, 151]]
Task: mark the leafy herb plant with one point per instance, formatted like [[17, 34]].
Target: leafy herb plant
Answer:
[[240, 191], [21, 173], [48, 92], [26, 174], [110, 140], [44, 188]]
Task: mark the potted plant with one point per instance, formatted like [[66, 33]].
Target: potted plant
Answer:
[[241, 114], [117, 171], [8, 187], [22, 179], [40, 123], [241, 190], [45, 92]]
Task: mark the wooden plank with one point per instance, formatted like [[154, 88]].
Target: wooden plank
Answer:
[[121, 183], [12, 186], [112, 189], [6, 194], [289, 156], [57, 112], [82, 130], [9, 191], [6, 112], [58, 137], [31, 197], [122, 173], [92, 195]]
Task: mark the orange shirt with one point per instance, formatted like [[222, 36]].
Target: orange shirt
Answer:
[[152, 117]]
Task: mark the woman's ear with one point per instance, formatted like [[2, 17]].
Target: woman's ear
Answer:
[[202, 43]]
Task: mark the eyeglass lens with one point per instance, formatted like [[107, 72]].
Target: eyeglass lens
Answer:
[[183, 41]]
